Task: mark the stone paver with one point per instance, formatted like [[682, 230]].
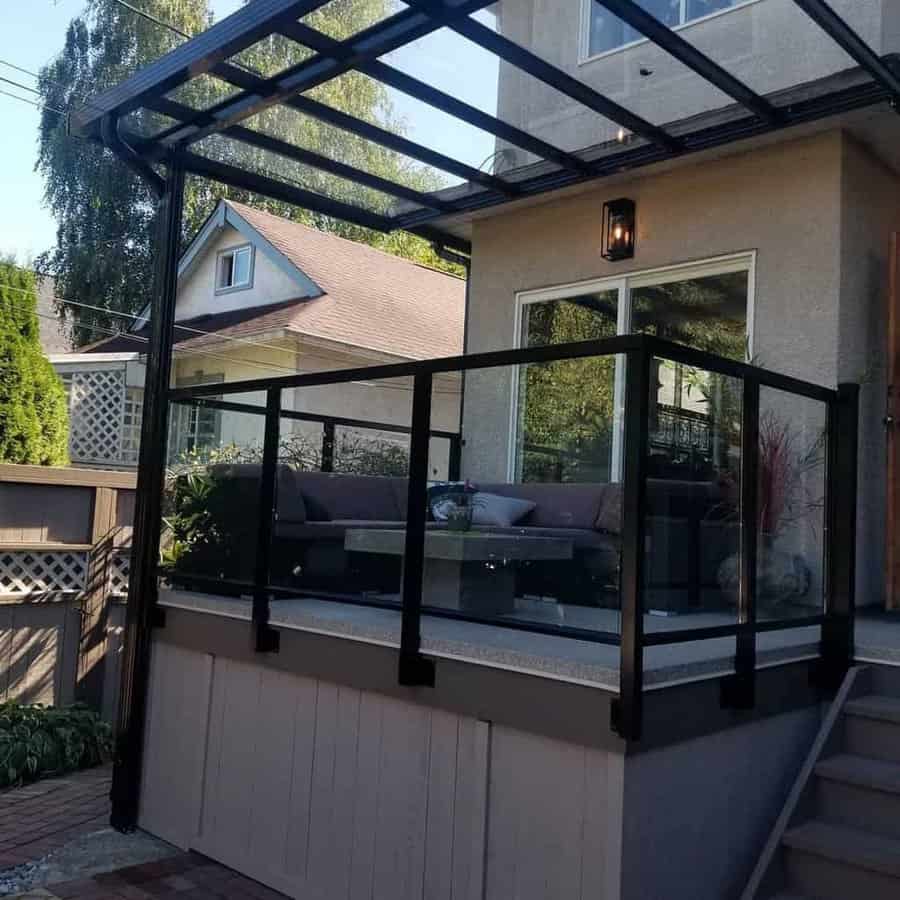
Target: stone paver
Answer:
[[41, 817]]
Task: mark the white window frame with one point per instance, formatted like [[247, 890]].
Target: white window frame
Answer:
[[744, 261], [584, 38], [233, 251]]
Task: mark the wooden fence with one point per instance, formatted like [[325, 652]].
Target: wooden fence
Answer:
[[65, 537]]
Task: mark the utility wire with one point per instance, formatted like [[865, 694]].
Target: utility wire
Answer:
[[53, 109]]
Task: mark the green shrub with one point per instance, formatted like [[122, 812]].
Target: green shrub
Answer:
[[37, 741]]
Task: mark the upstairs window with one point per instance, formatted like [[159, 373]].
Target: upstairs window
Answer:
[[607, 32], [235, 268]]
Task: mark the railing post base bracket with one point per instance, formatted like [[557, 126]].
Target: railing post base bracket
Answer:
[[738, 691], [268, 640], [628, 732], [415, 670], [158, 616]]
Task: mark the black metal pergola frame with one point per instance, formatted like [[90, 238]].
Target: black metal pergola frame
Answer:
[[166, 157]]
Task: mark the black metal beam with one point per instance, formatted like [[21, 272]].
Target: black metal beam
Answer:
[[675, 45], [412, 87], [141, 609], [374, 41], [238, 31], [840, 32], [266, 639], [529, 62], [306, 157]]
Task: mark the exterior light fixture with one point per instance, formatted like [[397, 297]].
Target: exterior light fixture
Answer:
[[618, 229]]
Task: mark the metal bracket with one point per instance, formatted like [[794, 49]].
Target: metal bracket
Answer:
[[158, 616], [616, 723], [827, 676], [738, 691], [415, 670], [268, 640]]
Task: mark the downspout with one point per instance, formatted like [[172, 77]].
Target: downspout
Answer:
[[459, 259], [142, 613]]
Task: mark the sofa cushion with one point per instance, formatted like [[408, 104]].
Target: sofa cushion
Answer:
[[289, 500], [556, 505], [359, 497], [333, 530], [495, 509], [609, 518]]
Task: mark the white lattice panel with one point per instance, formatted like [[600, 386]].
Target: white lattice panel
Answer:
[[96, 409], [31, 571], [119, 568]]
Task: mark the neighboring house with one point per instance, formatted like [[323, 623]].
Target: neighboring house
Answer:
[[260, 295], [56, 337]]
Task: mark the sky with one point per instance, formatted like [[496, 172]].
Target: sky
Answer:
[[32, 32]]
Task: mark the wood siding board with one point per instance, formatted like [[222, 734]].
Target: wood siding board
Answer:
[[305, 717], [6, 632], [471, 809], [362, 866], [442, 775]]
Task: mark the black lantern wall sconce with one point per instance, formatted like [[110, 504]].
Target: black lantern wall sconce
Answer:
[[618, 229]]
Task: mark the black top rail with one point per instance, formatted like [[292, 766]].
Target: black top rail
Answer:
[[621, 344]]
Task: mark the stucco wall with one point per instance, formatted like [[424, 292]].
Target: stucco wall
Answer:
[[696, 815], [768, 44], [871, 211], [718, 208]]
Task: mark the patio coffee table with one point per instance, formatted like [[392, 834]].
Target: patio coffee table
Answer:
[[458, 574]]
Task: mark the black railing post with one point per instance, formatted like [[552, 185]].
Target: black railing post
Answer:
[[327, 447], [739, 690], [840, 537], [454, 464], [142, 612], [627, 710], [266, 638], [415, 669]]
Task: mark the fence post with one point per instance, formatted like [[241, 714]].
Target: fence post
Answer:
[[842, 473], [92, 644], [739, 689], [627, 710], [415, 669], [266, 638]]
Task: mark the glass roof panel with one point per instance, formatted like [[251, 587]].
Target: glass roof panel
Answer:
[[373, 102], [147, 123], [272, 165], [752, 40], [271, 55], [341, 19], [202, 92], [640, 78], [312, 134]]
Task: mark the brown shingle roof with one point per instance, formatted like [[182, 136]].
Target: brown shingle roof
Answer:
[[370, 299]]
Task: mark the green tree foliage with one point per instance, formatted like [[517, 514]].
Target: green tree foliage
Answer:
[[34, 424], [104, 253]]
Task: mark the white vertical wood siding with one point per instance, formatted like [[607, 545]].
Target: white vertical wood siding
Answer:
[[323, 791]]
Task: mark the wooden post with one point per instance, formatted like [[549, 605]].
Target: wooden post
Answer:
[[92, 645]]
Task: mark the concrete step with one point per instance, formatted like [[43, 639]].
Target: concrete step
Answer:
[[833, 862], [860, 793], [875, 706], [872, 727]]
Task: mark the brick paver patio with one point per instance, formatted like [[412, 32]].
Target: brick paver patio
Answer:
[[43, 816]]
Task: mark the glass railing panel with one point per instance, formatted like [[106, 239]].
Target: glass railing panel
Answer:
[[343, 467], [790, 572], [211, 503], [693, 498], [517, 542]]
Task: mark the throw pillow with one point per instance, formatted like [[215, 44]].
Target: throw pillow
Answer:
[[445, 496], [494, 509], [609, 519]]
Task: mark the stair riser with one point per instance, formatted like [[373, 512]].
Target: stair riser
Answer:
[[858, 807], [873, 738], [825, 879]]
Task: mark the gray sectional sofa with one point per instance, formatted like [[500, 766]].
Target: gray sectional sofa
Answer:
[[688, 535]]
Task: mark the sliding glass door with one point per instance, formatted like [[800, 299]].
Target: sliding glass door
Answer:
[[567, 415]]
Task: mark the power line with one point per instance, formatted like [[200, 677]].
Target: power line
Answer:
[[36, 105]]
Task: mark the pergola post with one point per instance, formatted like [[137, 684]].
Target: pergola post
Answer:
[[141, 613]]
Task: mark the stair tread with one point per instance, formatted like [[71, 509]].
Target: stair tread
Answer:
[[875, 706], [861, 771], [847, 845]]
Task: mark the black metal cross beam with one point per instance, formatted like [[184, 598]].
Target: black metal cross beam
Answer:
[[538, 68], [839, 31], [413, 87], [197, 56], [675, 45]]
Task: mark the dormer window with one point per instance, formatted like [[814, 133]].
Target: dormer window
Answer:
[[234, 269]]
